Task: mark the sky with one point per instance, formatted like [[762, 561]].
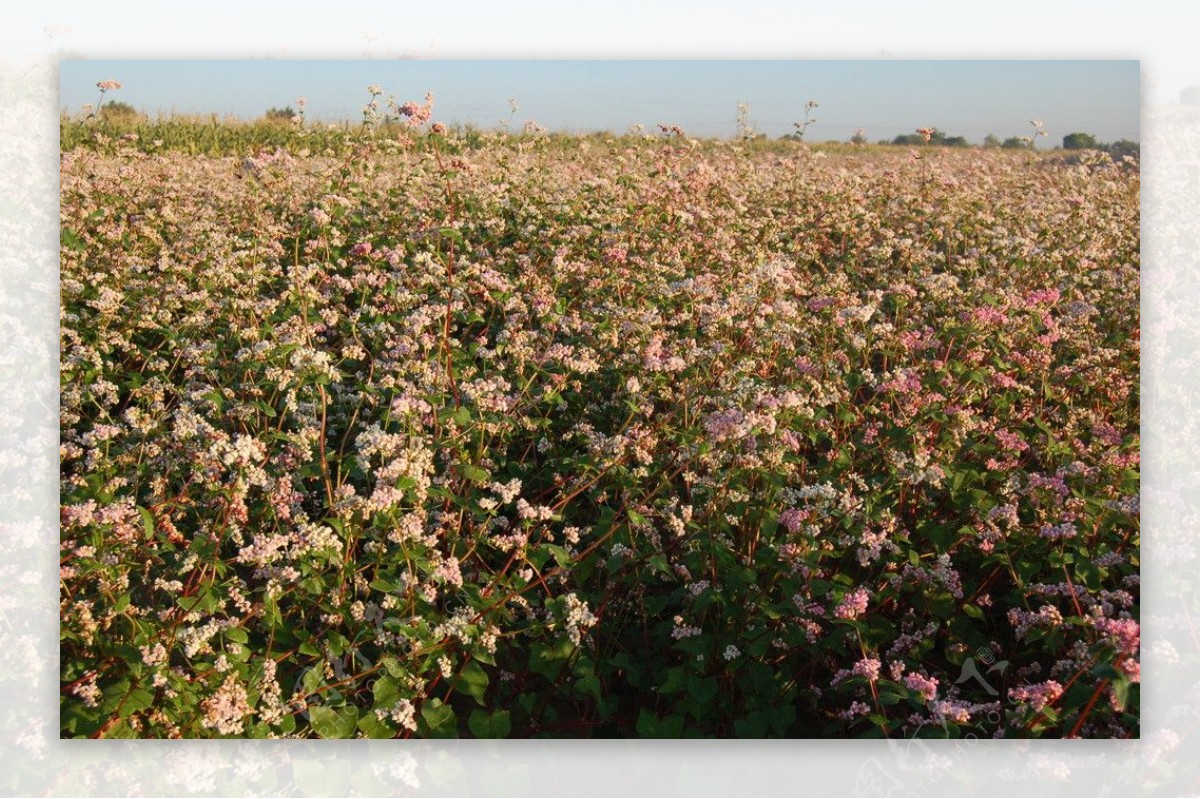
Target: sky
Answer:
[[882, 97]]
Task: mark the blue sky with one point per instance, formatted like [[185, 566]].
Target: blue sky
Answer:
[[883, 97]]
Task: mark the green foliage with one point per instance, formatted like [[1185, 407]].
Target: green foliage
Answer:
[[1079, 141], [115, 111], [937, 138], [1122, 148], [285, 115]]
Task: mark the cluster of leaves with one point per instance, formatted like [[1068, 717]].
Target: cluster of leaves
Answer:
[[642, 438]]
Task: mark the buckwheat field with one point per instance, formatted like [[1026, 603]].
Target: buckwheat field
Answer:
[[403, 431]]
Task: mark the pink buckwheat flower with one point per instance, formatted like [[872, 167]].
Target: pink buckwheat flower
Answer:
[[448, 571], [853, 604], [926, 686], [1037, 695], [868, 667], [1126, 634], [793, 519]]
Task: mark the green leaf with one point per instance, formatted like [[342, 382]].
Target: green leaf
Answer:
[[78, 720], [675, 682], [659, 562], [71, 240], [474, 473], [590, 685], [973, 611], [271, 613], [758, 647], [752, 726], [622, 662], [328, 722], [372, 727], [139, 698], [438, 719], [113, 695], [548, 659], [1121, 688], [311, 681], [216, 398], [1087, 573], [473, 680], [702, 689], [561, 556], [385, 691], [489, 725], [147, 522], [651, 726], [452, 234], [781, 718]]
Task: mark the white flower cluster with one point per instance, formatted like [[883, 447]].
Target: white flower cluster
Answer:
[[579, 618], [195, 639], [507, 492], [226, 710], [403, 713], [682, 630]]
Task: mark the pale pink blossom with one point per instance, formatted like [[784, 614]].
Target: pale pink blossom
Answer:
[[853, 604], [926, 686]]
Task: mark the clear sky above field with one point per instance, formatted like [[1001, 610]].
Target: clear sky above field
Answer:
[[882, 97]]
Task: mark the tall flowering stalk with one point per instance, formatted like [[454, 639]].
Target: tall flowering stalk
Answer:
[[105, 86], [802, 126]]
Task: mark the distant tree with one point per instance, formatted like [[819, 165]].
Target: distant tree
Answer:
[[1017, 143], [991, 141], [859, 137], [1122, 148], [116, 111], [1079, 141], [937, 138], [280, 114]]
